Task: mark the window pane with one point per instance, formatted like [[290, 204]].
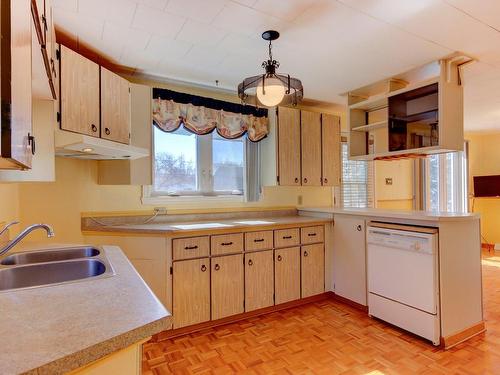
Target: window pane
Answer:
[[356, 182], [434, 182], [175, 161], [228, 164]]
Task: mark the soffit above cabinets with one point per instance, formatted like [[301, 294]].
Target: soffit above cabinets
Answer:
[[345, 44]]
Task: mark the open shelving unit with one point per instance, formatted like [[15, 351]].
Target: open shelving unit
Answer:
[[414, 114]]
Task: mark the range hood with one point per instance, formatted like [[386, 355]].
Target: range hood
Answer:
[[74, 145]]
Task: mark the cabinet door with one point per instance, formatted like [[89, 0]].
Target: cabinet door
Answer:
[[79, 94], [330, 140], [311, 148], [259, 280], [115, 107], [287, 274], [227, 286], [313, 270], [349, 258], [191, 292], [289, 146]]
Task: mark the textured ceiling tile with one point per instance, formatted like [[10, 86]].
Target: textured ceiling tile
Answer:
[[117, 35], [157, 22], [200, 33], [174, 50], [204, 11]]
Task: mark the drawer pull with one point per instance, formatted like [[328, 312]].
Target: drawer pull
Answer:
[[287, 237], [217, 267], [279, 258], [326, 180], [94, 128], [311, 234], [191, 247], [226, 243], [250, 262], [203, 268], [296, 179], [107, 131], [305, 253], [258, 240], [358, 228], [305, 180]]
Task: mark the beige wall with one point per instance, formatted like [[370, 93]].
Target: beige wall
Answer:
[[9, 202], [484, 159], [399, 195]]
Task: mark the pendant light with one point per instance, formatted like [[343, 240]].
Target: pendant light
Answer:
[[270, 89]]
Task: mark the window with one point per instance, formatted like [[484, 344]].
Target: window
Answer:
[[186, 164], [357, 181], [445, 179]]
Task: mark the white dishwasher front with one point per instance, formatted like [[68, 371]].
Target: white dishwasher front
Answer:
[[403, 278]]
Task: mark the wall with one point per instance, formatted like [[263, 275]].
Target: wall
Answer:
[[484, 159], [399, 195], [9, 203]]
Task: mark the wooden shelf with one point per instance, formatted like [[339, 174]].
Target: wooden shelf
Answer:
[[373, 126]]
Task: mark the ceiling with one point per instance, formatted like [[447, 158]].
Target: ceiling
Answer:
[[332, 46]]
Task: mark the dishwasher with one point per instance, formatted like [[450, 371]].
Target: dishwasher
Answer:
[[403, 280]]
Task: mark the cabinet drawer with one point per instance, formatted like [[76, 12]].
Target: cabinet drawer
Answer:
[[226, 244], [259, 240], [312, 234], [286, 237], [193, 247]]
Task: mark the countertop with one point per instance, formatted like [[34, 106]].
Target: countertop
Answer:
[[55, 329], [394, 214], [216, 225]]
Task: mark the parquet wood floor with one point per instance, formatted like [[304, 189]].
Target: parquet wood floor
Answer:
[[328, 337]]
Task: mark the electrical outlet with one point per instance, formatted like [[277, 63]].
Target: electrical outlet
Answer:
[[160, 210], [388, 181]]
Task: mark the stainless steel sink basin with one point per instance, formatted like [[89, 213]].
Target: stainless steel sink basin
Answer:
[[53, 255], [53, 267], [50, 273]]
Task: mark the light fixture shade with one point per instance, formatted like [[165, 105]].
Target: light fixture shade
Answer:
[[270, 92]]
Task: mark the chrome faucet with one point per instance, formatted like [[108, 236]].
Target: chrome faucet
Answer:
[[24, 233]]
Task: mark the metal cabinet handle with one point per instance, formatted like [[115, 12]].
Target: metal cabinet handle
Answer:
[[358, 228], [305, 253], [258, 240], [94, 128], [32, 143], [287, 237], [311, 234], [250, 262], [305, 180], [217, 267], [326, 180], [296, 179], [203, 268], [279, 258], [226, 243], [190, 247], [107, 131]]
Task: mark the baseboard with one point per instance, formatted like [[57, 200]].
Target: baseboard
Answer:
[[346, 301], [235, 318], [459, 337]]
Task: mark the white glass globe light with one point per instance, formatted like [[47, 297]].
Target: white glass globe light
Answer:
[[273, 94]]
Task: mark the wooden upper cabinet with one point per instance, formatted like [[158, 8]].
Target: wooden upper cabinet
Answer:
[[289, 146], [115, 107], [311, 148], [330, 140], [79, 94], [227, 283]]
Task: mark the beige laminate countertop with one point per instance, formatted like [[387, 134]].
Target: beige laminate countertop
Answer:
[[215, 225], [432, 216], [55, 329]]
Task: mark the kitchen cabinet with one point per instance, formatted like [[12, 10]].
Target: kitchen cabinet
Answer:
[[330, 150], [287, 274], [115, 107], [79, 98], [227, 282], [259, 280], [191, 292], [16, 43], [312, 270], [349, 258], [308, 148], [311, 148], [289, 173]]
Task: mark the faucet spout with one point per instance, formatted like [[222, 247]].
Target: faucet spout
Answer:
[[24, 233]]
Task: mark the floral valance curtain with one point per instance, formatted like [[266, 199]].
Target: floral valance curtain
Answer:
[[203, 115]]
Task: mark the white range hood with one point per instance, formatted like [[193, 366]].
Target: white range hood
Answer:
[[74, 145]]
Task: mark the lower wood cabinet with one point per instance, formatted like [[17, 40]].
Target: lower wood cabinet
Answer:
[[259, 280], [313, 270], [227, 283], [287, 274], [191, 292]]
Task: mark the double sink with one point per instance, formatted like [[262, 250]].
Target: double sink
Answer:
[[53, 267]]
